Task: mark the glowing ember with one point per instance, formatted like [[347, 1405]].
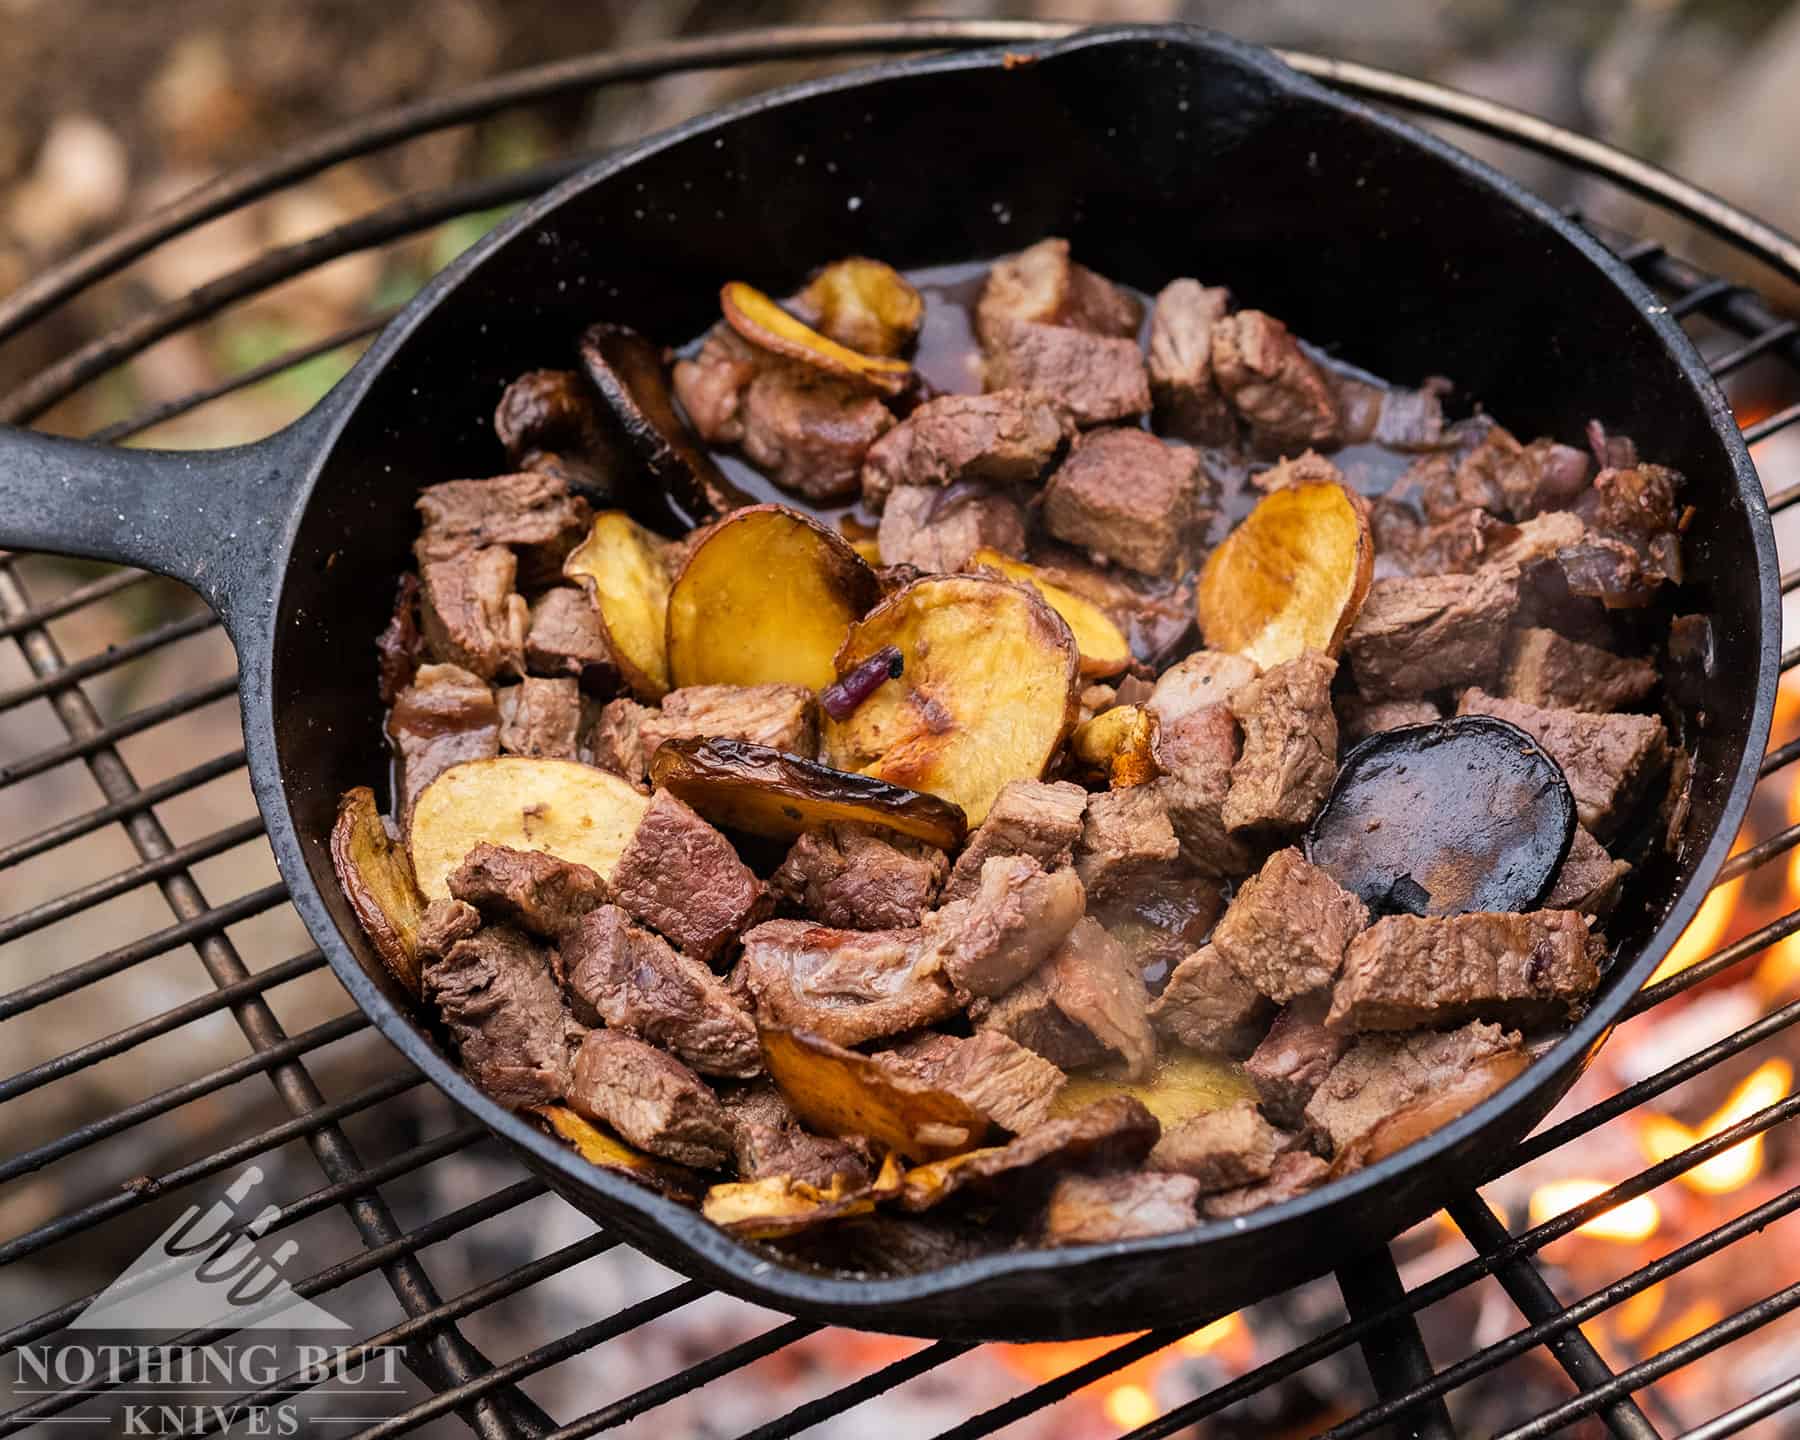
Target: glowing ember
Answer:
[[1663, 1135], [1209, 1337], [1634, 1221], [1635, 1316], [1130, 1406]]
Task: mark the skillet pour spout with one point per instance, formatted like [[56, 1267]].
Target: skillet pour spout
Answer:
[[1159, 152]]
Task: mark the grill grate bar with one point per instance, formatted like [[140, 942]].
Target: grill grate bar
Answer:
[[1769, 425], [1779, 333], [1764, 850], [1778, 758], [1764, 1405], [110, 658], [1394, 1352], [848, 1397], [79, 598], [106, 736], [1701, 297], [1010, 1412], [1716, 963]]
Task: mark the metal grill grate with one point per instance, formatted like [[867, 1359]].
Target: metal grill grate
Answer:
[[69, 718]]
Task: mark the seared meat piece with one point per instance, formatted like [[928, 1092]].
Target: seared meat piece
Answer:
[[1290, 746], [1196, 746], [565, 639], [1092, 1209], [1637, 500], [1100, 380], [1407, 971], [540, 717], [650, 1098], [1043, 285], [1123, 495], [1358, 718], [501, 1003], [1589, 879], [1188, 403], [531, 514], [1014, 1087], [769, 1141], [1607, 759], [1204, 679], [1398, 419], [1293, 1174], [1285, 398], [399, 647], [849, 986], [682, 877], [1502, 476], [470, 615], [446, 716], [858, 878], [810, 433], [783, 717], [1286, 928], [938, 530], [1016, 918], [538, 892], [616, 742], [1207, 1005], [1544, 668], [1085, 1004], [1434, 632], [1126, 840], [1405, 546], [443, 924], [551, 410], [632, 981], [711, 385], [1035, 818], [1222, 1149], [1295, 1057], [1006, 438]]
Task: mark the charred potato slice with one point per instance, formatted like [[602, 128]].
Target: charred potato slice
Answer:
[[989, 689], [767, 326], [378, 882], [1118, 744], [1104, 649], [572, 811], [780, 1205], [766, 596], [621, 566], [762, 791], [1291, 577], [1186, 1083], [864, 304], [611, 1153]]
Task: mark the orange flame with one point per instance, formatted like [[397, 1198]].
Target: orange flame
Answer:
[[1662, 1135], [1634, 1221]]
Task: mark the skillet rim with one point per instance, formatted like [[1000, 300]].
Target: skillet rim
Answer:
[[754, 1274]]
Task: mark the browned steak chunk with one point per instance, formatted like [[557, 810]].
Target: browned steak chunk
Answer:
[[1358, 718], [500, 1001], [1545, 668], [1013, 922], [539, 892], [1589, 879], [564, 639], [1087, 1003], [1038, 819], [810, 434], [540, 717], [1207, 1005], [550, 410], [1202, 681], [1013, 1086], [399, 647], [443, 924], [650, 1098], [783, 717], [1222, 1149], [1006, 438], [531, 514], [1091, 1209], [1286, 400], [1293, 1174], [1294, 1057], [1290, 746], [1099, 379], [681, 877], [1196, 747], [849, 986], [470, 615], [1188, 403], [938, 530], [1286, 928], [446, 716], [1127, 840], [1043, 285], [1432, 632], [1637, 499], [1127, 497], [711, 385], [616, 741], [859, 878], [1506, 478]]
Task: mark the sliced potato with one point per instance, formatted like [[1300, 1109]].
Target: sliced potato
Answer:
[[1291, 577], [1186, 1083], [621, 566], [378, 881], [1104, 648], [865, 304], [840, 1092], [766, 325], [765, 596], [990, 688], [1119, 744], [763, 791], [862, 538], [780, 1205], [572, 811], [1394, 1132], [611, 1153]]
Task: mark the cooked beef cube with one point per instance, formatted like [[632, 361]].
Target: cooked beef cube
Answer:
[[848, 986], [681, 877], [633, 981], [1608, 760], [1589, 879], [470, 615], [1295, 1057], [1207, 1005], [538, 892], [500, 1001], [1043, 285], [1531, 543], [1188, 403], [1013, 1086], [399, 647], [554, 410], [446, 716], [1611, 452], [1006, 438], [654, 1101], [1286, 928], [938, 530], [1383, 1074], [1545, 668], [767, 1151], [1502, 476], [711, 385], [1196, 745], [1285, 398], [1398, 419], [530, 514], [1098, 379], [1126, 840], [1290, 746], [1087, 1003], [1610, 570], [783, 717], [1432, 632], [540, 717], [1358, 718], [810, 433], [1639, 499], [1222, 1149], [616, 742], [443, 924], [1293, 1174], [1013, 922], [565, 639], [856, 877], [1035, 818], [1092, 1209], [1407, 971], [1404, 546], [1123, 495]]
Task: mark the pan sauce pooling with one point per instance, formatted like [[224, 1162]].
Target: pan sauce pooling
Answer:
[[1018, 924]]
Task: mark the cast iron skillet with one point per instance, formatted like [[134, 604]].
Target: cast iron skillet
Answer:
[[1159, 152]]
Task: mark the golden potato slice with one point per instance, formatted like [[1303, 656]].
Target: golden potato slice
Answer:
[[611, 1153], [1291, 577], [762, 791], [781, 1205], [766, 325], [1186, 1083], [1118, 743], [990, 687], [864, 304], [565, 809], [840, 1092], [1104, 648], [765, 596], [621, 566], [378, 882]]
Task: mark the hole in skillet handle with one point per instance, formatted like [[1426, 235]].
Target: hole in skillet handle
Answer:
[[1460, 815]]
